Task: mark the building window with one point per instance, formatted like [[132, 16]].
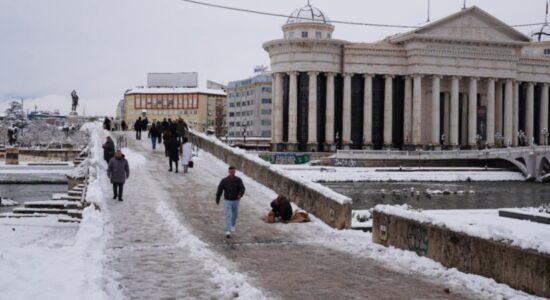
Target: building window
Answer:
[[547, 51], [266, 101], [266, 111], [266, 122], [266, 133], [304, 34], [318, 35], [231, 114]]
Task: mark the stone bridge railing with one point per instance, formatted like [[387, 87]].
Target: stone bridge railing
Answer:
[[532, 161]]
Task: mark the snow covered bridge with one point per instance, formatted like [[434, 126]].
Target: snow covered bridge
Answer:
[[533, 161]]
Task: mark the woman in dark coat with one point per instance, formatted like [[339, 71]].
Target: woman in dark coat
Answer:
[[108, 149], [173, 148], [281, 208]]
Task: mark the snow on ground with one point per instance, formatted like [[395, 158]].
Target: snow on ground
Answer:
[[360, 244], [484, 223], [8, 202], [43, 259], [343, 174]]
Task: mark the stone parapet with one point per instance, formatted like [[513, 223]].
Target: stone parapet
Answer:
[[527, 270]]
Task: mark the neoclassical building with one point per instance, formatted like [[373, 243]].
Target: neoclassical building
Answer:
[[467, 80]]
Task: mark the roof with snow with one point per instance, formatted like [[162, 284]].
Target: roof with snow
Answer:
[[175, 91]]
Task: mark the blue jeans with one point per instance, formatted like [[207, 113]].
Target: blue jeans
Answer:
[[231, 213], [154, 142]]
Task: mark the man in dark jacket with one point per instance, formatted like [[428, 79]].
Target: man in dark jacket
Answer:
[[118, 172], [181, 129], [281, 208], [137, 127], [108, 149], [173, 148], [233, 190]]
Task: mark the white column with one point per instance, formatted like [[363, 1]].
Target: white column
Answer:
[[346, 131], [417, 111], [509, 112], [543, 112], [436, 89], [455, 91], [312, 112], [530, 113], [490, 111], [498, 107], [277, 111], [388, 111], [472, 112], [293, 108], [367, 111], [329, 127], [515, 118], [407, 121]]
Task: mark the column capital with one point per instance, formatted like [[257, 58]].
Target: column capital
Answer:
[[437, 76], [474, 78], [330, 74], [491, 79], [456, 77], [313, 73], [292, 73], [530, 83], [368, 75], [389, 76], [347, 74], [545, 84], [417, 75]]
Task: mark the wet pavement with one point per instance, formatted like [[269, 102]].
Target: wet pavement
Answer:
[[283, 261]]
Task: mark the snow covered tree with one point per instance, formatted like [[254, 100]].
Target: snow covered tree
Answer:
[[14, 111]]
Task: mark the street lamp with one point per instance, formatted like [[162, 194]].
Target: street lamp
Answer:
[[521, 137], [244, 135], [544, 133]]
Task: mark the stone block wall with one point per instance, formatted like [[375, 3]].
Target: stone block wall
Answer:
[[330, 211], [522, 269]]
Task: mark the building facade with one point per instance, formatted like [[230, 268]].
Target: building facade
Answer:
[[465, 81], [249, 107], [203, 109]]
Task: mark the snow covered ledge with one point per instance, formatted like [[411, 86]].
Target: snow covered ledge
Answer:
[[332, 208], [467, 248]]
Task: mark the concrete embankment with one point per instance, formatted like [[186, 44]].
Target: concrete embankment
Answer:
[[330, 207], [522, 269]]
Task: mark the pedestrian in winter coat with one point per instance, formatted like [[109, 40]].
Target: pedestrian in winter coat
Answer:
[[172, 127], [137, 127], [186, 154], [181, 129], [233, 189], [123, 125], [166, 136], [107, 124], [281, 208], [154, 135], [108, 149], [173, 147], [144, 124], [118, 172], [160, 129]]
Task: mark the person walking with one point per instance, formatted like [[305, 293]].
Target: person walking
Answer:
[[173, 148], [181, 129], [118, 172], [160, 129], [233, 189], [108, 149], [186, 154], [166, 136], [123, 125], [137, 127], [153, 135]]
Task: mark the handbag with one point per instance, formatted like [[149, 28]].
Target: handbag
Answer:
[[190, 165]]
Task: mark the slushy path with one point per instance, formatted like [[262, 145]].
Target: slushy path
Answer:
[[167, 217]]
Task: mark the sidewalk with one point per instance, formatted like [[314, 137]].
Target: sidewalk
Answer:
[[169, 243]]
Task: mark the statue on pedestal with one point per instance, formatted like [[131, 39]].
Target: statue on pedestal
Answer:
[[75, 101]]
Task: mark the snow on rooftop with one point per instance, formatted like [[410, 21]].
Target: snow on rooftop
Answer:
[[144, 90]]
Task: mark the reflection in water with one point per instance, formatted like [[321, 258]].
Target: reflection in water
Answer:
[[471, 195]]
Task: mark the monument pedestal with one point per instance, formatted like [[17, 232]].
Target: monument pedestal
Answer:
[[12, 156], [72, 119]]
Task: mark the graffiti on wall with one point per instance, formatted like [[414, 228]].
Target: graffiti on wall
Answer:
[[351, 163], [417, 239], [285, 158]]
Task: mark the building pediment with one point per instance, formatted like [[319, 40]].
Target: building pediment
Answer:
[[472, 24]]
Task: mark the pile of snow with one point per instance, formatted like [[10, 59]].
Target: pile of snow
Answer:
[[483, 223], [8, 202], [325, 191]]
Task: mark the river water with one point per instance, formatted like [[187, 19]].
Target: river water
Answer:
[[29, 192], [459, 195]]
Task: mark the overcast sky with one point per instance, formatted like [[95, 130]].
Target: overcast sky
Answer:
[[103, 47]]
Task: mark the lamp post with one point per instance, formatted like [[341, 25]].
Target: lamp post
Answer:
[[244, 135], [544, 133]]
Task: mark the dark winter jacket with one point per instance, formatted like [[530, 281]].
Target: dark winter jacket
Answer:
[[137, 125], [282, 208], [232, 188], [172, 128], [118, 170], [144, 124], [108, 150], [173, 147], [181, 128], [154, 132]]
